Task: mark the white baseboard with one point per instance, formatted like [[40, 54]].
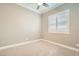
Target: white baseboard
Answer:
[[18, 44], [32, 41], [62, 45]]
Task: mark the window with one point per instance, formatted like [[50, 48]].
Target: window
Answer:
[[59, 23]]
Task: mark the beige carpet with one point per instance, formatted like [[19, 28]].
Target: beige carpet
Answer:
[[39, 48]]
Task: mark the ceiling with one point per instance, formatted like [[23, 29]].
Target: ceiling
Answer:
[[42, 9]]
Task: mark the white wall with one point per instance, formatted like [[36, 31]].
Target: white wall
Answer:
[[17, 24]]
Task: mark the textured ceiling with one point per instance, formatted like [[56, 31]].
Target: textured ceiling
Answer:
[[42, 9]]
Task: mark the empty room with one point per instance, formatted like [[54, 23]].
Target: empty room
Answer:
[[39, 29]]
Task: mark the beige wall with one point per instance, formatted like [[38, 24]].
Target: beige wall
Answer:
[[67, 39], [17, 24]]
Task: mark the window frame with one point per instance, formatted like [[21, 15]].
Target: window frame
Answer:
[[56, 15]]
